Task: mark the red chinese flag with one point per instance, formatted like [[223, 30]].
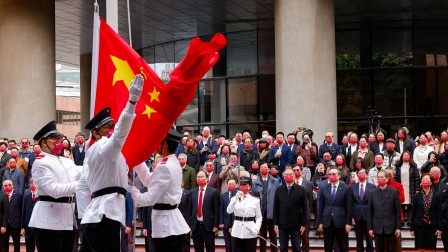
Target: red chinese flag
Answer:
[[114, 65]]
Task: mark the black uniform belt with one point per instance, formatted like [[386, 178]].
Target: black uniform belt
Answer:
[[238, 218], [109, 190], [164, 207], [58, 200]]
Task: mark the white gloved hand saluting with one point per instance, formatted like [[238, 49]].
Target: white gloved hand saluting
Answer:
[[136, 195], [136, 88], [239, 195]]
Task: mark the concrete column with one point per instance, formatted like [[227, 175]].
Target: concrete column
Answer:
[[112, 14], [27, 72], [305, 68], [85, 65]]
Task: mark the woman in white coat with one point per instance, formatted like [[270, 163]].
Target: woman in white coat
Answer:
[[247, 217]]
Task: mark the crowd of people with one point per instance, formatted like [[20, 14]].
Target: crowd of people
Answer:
[[64, 198], [250, 188]]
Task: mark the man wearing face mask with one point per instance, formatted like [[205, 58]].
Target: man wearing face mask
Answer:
[[105, 176], [351, 148], [4, 155], [384, 220], [204, 208], [247, 154], [16, 176], [79, 150], [329, 145], [29, 200], [26, 153], [360, 202], [14, 219], [373, 172], [225, 219], [442, 190], [21, 165], [280, 155], [290, 213], [266, 185], [188, 173], [391, 157], [53, 215], [300, 180], [335, 212]]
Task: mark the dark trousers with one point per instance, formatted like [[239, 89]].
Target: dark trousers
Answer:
[[123, 240], [203, 237], [362, 233], [15, 234], [170, 243], [227, 239], [306, 237], [384, 242], [445, 238], [246, 245], [149, 244], [103, 236], [267, 225], [30, 240], [185, 243], [53, 240], [331, 233], [84, 245], [76, 235], [285, 234]]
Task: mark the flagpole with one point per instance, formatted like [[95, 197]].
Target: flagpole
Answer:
[[129, 24]]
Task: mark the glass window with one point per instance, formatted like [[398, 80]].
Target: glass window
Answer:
[[212, 100], [243, 99], [242, 53]]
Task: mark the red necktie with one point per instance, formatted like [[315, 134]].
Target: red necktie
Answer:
[[200, 203], [33, 197]]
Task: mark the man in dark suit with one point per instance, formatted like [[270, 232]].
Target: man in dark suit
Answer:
[[280, 155], [330, 146], [351, 148], [291, 140], [225, 219], [442, 190], [79, 150], [207, 144], [360, 202], [15, 217], [4, 155], [308, 186], [29, 200], [204, 205], [184, 208], [212, 176], [335, 212], [384, 220], [290, 212]]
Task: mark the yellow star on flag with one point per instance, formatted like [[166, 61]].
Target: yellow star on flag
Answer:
[[123, 71], [154, 95], [148, 111]]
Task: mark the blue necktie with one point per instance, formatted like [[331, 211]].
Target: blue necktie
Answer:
[[361, 193], [333, 193]]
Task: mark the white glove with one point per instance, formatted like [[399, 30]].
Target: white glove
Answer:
[[136, 88], [136, 195], [239, 195], [253, 230]]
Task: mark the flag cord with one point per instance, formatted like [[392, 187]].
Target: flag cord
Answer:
[[96, 7], [129, 24]]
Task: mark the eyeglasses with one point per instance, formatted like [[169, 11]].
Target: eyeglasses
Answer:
[[296, 169], [24, 142], [209, 165], [332, 174]]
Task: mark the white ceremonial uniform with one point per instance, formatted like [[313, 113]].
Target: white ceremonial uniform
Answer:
[[56, 177], [106, 167], [248, 206], [164, 187]]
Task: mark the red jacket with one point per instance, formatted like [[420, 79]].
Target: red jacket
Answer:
[[394, 184]]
